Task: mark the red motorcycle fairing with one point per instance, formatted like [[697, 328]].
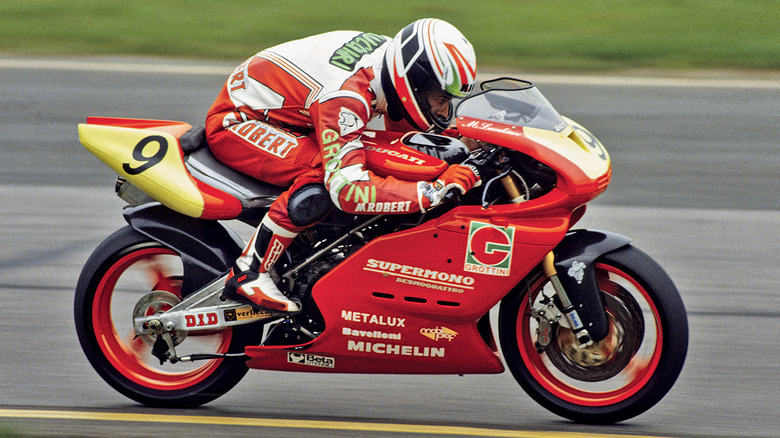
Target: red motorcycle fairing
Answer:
[[583, 171], [421, 296]]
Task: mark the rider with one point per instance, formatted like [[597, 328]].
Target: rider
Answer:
[[293, 115]]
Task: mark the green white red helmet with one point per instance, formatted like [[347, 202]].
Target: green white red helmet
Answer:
[[426, 56]]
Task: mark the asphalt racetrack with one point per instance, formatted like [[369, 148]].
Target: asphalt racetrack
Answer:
[[695, 185]]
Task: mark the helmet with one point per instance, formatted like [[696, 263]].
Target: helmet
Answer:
[[427, 56]]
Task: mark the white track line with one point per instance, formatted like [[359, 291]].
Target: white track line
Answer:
[[190, 68]]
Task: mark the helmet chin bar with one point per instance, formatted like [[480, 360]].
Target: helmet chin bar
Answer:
[[396, 110], [435, 121], [438, 124]]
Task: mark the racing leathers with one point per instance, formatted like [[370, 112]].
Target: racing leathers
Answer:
[[293, 116]]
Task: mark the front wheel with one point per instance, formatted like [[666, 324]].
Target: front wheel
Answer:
[[620, 377], [131, 275]]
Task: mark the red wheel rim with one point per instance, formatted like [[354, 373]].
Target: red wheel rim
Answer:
[[635, 375], [132, 357]]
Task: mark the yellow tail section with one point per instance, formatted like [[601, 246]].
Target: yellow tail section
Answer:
[[150, 159]]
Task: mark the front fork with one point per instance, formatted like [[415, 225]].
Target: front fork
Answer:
[[575, 322], [572, 274]]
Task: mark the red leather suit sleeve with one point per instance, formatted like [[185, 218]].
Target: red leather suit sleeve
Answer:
[[339, 123]]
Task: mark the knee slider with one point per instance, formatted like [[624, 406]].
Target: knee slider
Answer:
[[309, 205]]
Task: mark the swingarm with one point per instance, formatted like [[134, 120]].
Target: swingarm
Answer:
[[162, 320]]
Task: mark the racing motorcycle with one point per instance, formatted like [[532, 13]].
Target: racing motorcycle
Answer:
[[591, 327]]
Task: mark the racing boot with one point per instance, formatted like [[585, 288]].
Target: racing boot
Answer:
[[250, 279]]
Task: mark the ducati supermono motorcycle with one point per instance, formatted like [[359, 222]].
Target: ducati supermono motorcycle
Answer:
[[590, 326]]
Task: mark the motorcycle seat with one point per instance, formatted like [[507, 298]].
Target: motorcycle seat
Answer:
[[255, 195]]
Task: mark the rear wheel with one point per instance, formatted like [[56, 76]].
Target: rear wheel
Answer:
[[131, 275], [623, 375]]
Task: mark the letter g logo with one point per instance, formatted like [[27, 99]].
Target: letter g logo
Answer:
[[329, 136], [489, 246]]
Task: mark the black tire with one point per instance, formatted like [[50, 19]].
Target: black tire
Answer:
[[634, 367], [122, 269]]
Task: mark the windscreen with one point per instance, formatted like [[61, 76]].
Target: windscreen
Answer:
[[513, 102]]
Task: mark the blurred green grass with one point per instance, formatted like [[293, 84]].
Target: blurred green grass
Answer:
[[530, 34]]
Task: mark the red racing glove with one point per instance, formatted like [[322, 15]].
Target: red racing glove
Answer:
[[457, 176]]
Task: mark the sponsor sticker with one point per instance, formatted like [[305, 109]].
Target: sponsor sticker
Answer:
[[439, 333], [577, 271], [375, 334], [487, 126], [311, 360], [395, 153], [422, 277], [266, 137], [245, 313], [276, 249], [205, 319], [347, 56], [389, 321], [489, 249], [394, 349], [384, 207], [349, 122]]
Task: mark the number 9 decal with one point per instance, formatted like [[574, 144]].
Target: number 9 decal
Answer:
[[147, 161], [592, 141]]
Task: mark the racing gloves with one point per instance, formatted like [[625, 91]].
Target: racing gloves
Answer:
[[457, 176]]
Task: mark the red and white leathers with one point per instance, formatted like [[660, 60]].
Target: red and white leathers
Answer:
[[294, 114]]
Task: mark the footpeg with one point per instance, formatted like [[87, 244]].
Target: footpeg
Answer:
[[288, 333]]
